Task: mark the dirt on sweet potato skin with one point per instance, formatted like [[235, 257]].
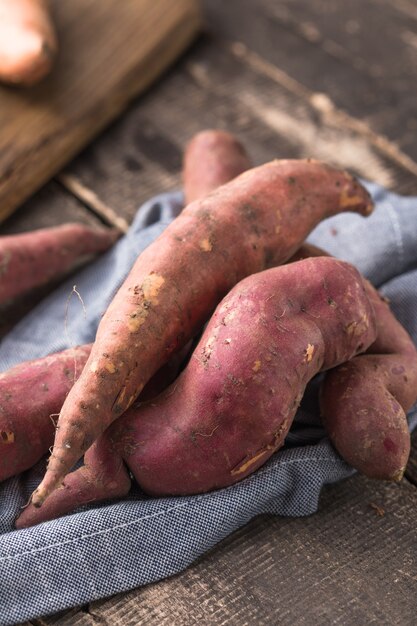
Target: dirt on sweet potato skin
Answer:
[[232, 407], [256, 221], [31, 396], [364, 402]]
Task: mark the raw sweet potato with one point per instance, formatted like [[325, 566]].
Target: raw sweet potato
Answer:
[[33, 259], [364, 402], [233, 405], [28, 42], [212, 158], [30, 393], [256, 221]]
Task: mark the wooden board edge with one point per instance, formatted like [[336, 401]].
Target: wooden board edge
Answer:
[[68, 145]]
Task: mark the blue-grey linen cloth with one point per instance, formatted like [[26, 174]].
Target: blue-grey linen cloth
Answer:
[[113, 547]]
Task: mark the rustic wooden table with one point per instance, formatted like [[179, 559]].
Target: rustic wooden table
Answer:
[[323, 78]]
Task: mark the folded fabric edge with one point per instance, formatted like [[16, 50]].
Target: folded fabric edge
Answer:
[[46, 592]]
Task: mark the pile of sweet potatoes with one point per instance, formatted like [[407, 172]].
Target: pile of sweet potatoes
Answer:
[[232, 259]]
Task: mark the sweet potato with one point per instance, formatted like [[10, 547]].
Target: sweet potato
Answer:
[[34, 258], [28, 42], [26, 430], [364, 402], [30, 393], [233, 405], [256, 221], [212, 158]]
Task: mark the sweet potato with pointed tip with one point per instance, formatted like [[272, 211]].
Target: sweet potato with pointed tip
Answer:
[[28, 42], [234, 403], [256, 221], [32, 394], [26, 430], [32, 259], [364, 402], [212, 158]]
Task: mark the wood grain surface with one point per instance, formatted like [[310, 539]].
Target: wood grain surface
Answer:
[[109, 52], [361, 54], [225, 86]]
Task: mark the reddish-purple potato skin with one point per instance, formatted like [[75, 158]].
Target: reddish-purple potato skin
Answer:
[[212, 158], [30, 393], [32, 259], [233, 405], [258, 220], [364, 402]]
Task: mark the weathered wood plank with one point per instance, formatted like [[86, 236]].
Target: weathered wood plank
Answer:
[[351, 563], [361, 54], [50, 206], [90, 200], [216, 86], [407, 7], [117, 171], [109, 52]]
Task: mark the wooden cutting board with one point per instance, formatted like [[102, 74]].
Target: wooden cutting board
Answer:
[[110, 51]]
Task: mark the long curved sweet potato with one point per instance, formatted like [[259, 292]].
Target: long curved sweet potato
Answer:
[[32, 394], [26, 431], [28, 42], [364, 402], [32, 259], [212, 158], [256, 221], [233, 405]]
